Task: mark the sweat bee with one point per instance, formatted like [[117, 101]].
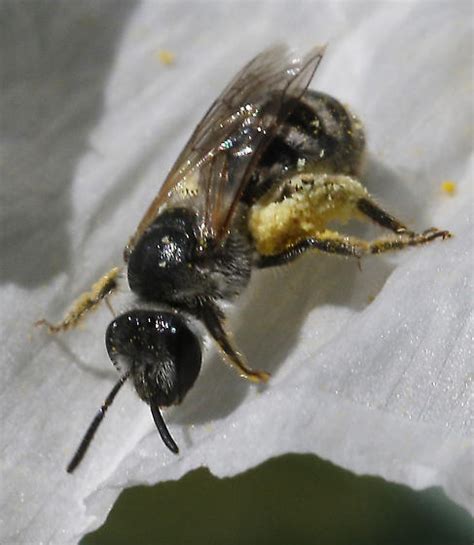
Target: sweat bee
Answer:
[[270, 165]]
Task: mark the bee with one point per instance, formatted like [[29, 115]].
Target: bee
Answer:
[[267, 169]]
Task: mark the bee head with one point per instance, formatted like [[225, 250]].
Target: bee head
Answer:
[[161, 355]]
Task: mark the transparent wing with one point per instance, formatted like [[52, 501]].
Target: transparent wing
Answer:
[[216, 164]]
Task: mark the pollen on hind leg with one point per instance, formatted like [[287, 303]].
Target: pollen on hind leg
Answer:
[[309, 203]]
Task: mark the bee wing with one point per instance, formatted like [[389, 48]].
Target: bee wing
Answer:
[[215, 166]]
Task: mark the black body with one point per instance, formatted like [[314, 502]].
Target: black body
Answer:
[[171, 264]]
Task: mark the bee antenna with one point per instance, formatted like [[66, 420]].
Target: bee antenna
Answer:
[[89, 435], [162, 429]]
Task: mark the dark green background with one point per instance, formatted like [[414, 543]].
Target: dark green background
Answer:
[[291, 500]]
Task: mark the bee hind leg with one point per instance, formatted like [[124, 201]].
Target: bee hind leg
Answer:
[[214, 321], [378, 215], [335, 243], [285, 229], [86, 302], [365, 208]]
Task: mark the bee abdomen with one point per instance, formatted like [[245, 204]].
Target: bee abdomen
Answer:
[[319, 135], [326, 134]]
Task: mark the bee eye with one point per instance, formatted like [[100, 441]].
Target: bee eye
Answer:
[[159, 350]]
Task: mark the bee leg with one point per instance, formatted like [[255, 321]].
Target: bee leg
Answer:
[[109, 306], [335, 243], [379, 216], [374, 212], [355, 201], [409, 238], [388, 244], [213, 320], [286, 228], [86, 302]]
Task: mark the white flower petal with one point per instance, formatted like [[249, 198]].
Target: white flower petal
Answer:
[[90, 123]]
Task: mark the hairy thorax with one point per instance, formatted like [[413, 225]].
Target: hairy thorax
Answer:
[[170, 263]]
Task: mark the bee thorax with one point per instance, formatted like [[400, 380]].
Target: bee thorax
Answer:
[[170, 265]]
